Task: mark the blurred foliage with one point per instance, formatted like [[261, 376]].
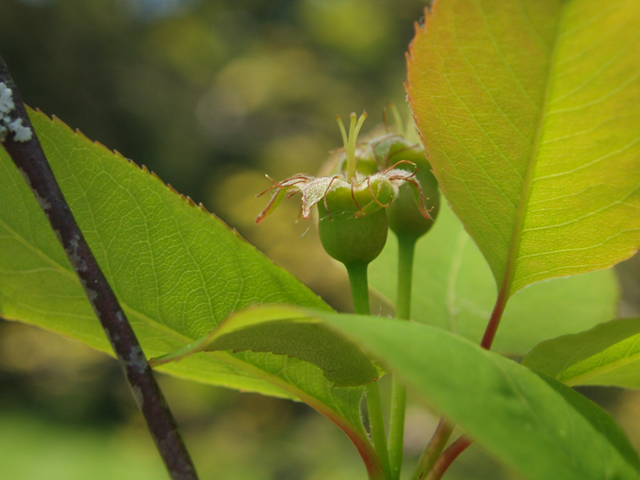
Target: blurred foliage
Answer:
[[211, 95]]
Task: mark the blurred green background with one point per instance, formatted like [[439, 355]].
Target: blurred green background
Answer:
[[210, 95]]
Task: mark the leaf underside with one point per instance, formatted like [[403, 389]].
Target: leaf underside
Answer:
[[282, 331], [530, 113], [177, 270], [535, 424], [608, 354], [453, 289]]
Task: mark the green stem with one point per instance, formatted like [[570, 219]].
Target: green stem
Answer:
[[396, 426], [406, 250], [360, 293], [376, 426], [359, 287], [433, 462], [433, 450]]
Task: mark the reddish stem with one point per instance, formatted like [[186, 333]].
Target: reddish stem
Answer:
[[447, 457], [494, 322], [457, 447]]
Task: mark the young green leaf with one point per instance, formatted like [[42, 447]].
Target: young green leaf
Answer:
[[608, 354], [453, 289], [530, 111], [535, 424], [283, 331], [177, 270]]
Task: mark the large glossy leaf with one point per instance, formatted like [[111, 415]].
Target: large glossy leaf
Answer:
[[453, 289], [530, 113], [177, 270], [537, 425], [608, 354]]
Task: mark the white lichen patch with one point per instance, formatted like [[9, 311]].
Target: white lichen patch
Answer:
[[21, 133], [136, 360], [6, 99], [44, 204], [92, 295], [74, 256]]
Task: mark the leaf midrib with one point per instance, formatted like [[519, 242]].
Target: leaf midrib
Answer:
[[518, 225], [456, 263], [602, 369]]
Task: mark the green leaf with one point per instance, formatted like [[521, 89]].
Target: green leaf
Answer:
[[608, 354], [453, 289], [283, 331], [530, 113], [177, 270], [535, 424]]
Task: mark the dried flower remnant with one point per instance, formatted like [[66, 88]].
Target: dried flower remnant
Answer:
[[367, 193]]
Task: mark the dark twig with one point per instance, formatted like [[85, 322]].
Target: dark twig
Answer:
[[19, 139]]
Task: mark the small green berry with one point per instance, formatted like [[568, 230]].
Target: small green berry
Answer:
[[404, 214], [352, 200], [346, 233]]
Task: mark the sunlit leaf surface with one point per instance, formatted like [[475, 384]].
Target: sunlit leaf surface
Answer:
[[530, 113], [177, 270]]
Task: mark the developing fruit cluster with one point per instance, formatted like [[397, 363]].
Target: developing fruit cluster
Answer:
[[384, 183]]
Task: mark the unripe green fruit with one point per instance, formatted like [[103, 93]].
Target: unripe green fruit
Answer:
[[390, 149], [348, 238], [403, 215]]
